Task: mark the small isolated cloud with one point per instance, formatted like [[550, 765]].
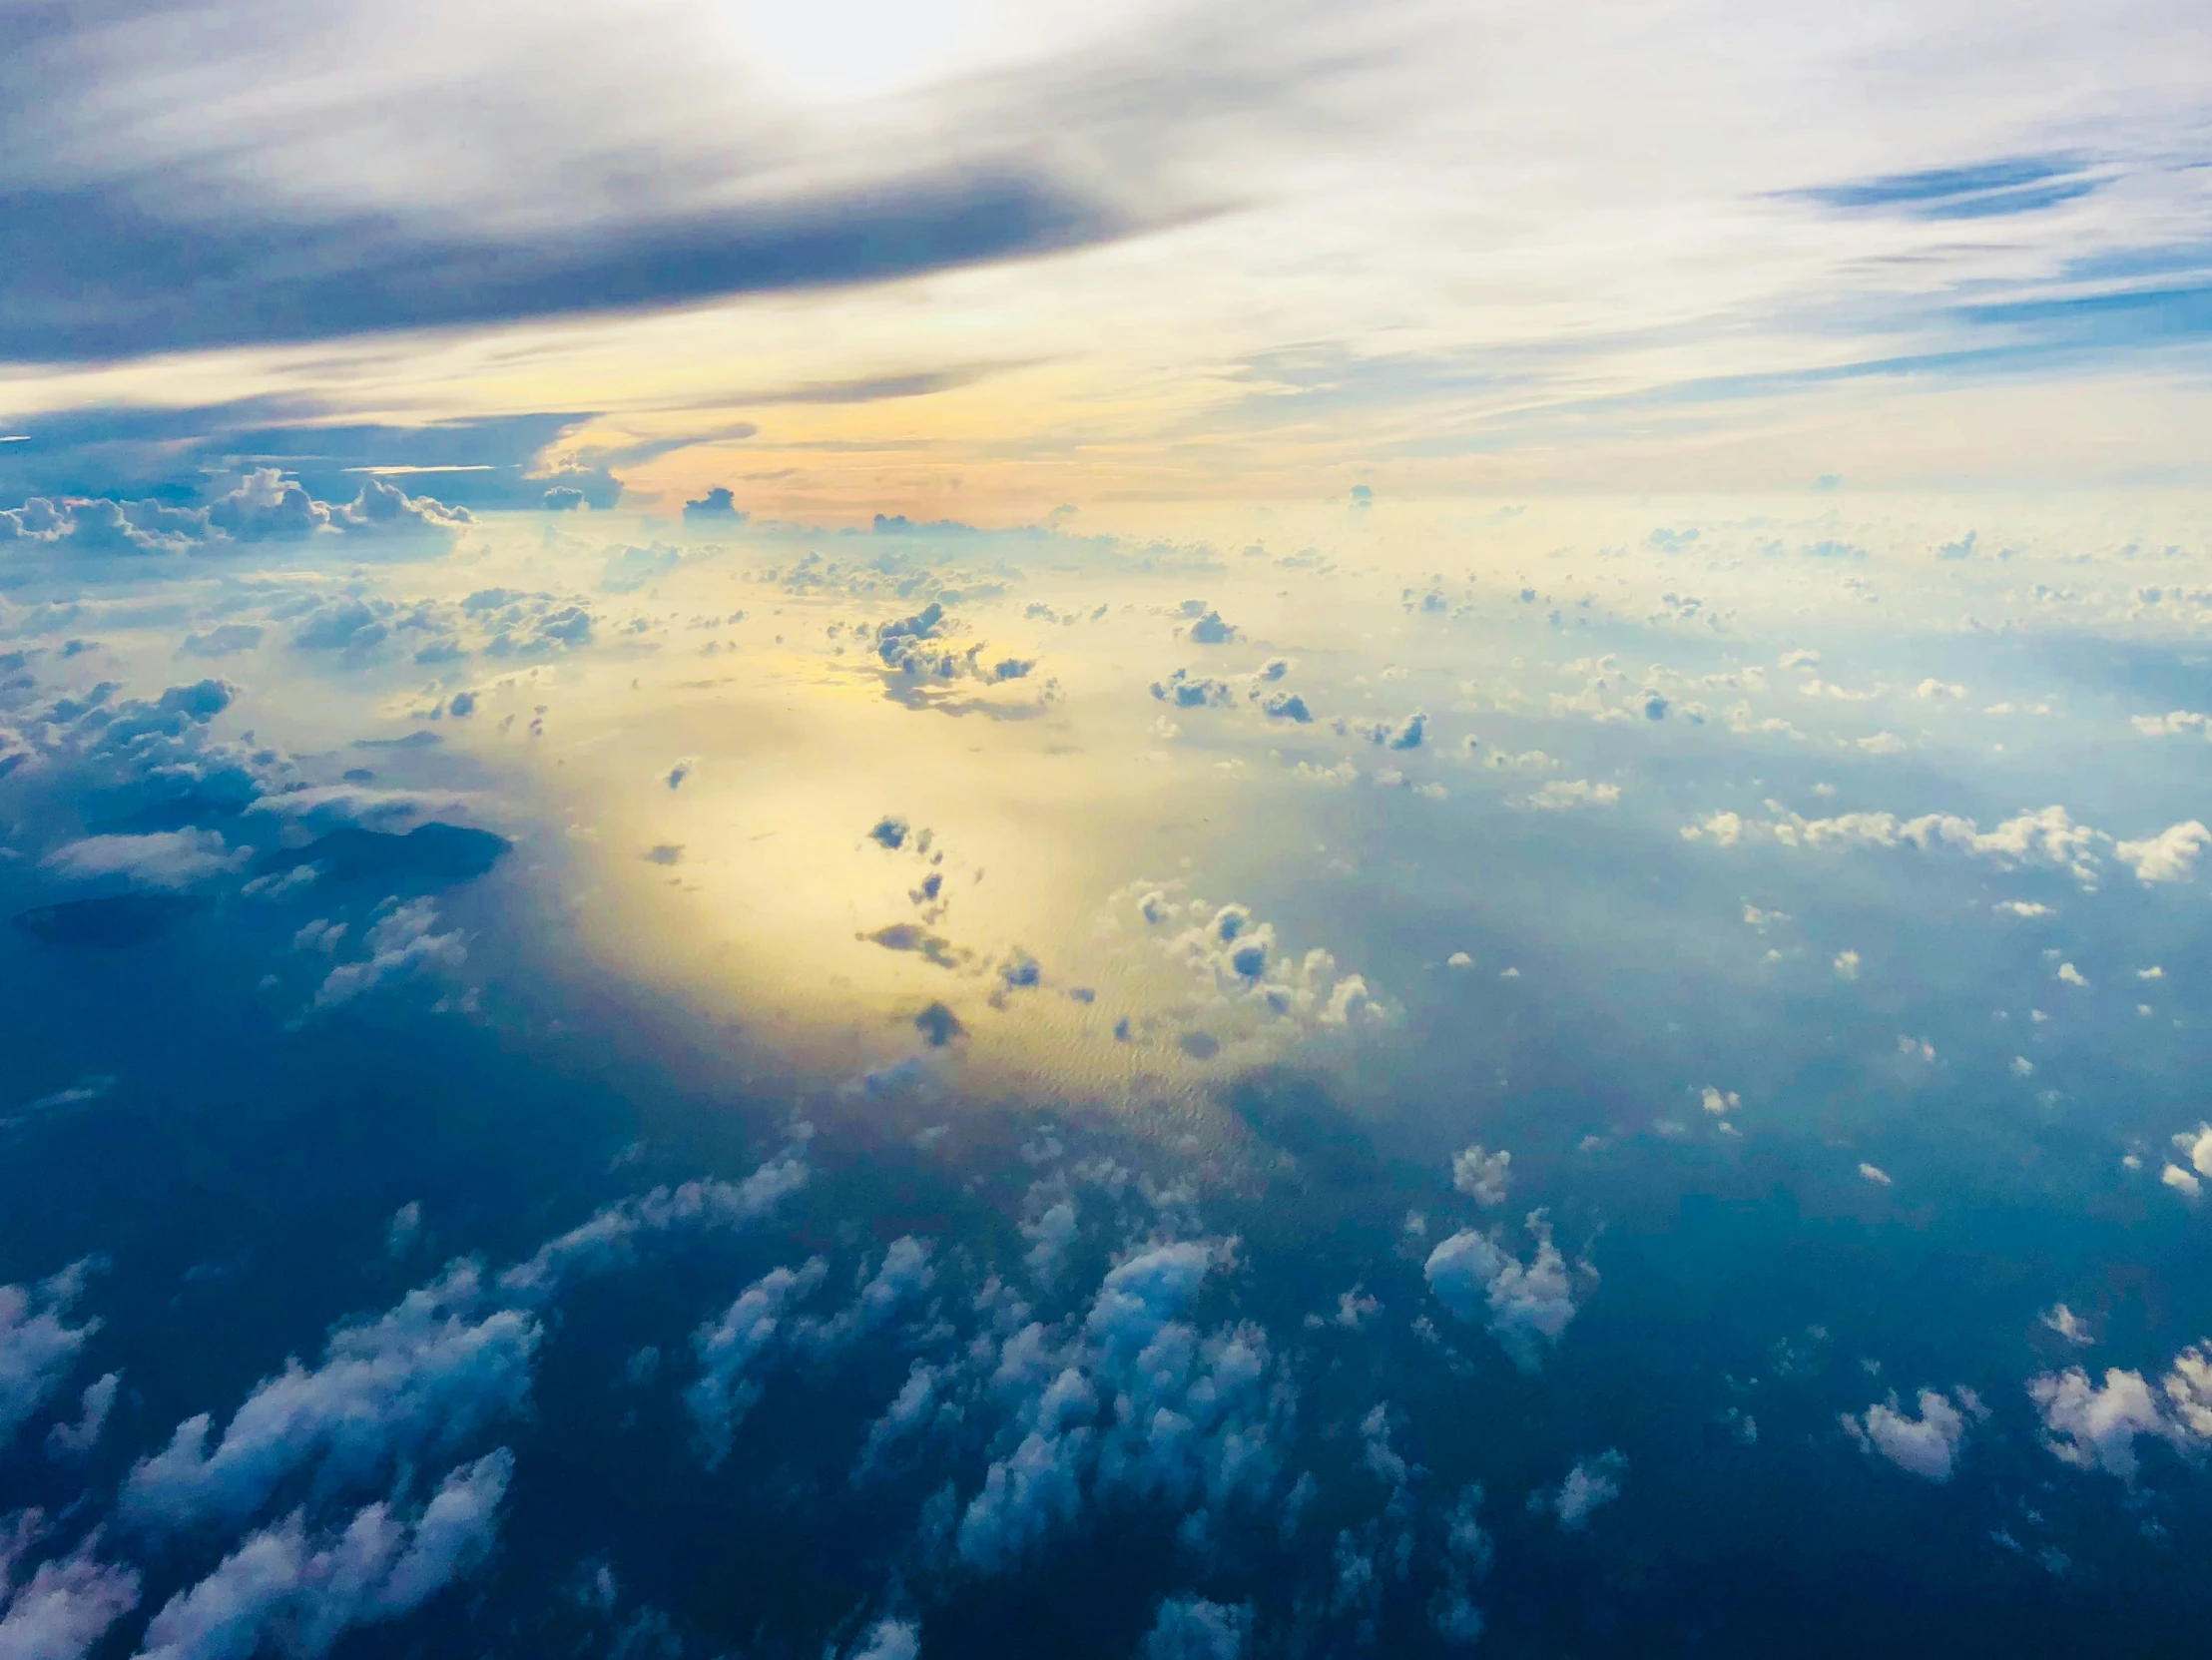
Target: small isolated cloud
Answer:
[[2168, 856], [1482, 1176], [1926, 1445], [1529, 1305], [1565, 795], [1846, 966], [2069, 1324], [682, 770], [1876, 1175], [717, 506], [74, 1440], [1591, 1484]]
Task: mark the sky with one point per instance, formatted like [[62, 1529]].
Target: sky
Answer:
[[976, 261], [1178, 832]]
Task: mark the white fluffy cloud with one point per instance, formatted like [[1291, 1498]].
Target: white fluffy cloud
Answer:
[[401, 941], [1592, 1483], [424, 1376], [164, 859], [2168, 856], [38, 1346], [66, 1604], [1926, 1445], [730, 1346], [1481, 1175], [1125, 1397], [2097, 1426], [310, 1592], [610, 1239], [1528, 1304]]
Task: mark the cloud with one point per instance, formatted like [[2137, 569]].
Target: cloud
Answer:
[[401, 941], [38, 1346], [1565, 795], [718, 505], [1482, 1176], [727, 1348], [1926, 1445], [1127, 1398], [1528, 1304], [67, 1604], [1191, 1628], [294, 276], [1592, 1483], [421, 1378], [904, 1275], [73, 1440], [889, 1639], [2097, 1426], [1237, 963], [310, 1592], [610, 1239], [169, 860], [2168, 856]]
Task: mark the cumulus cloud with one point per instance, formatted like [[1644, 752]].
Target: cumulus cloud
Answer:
[[611, 1236], [1125, 1397], [2097, 1426], [1481, 1175], [1529, 1305], [1926, 1445], [1238, 964], [280, 1582], [66, 1605], [2168, 856], [38, 1346], [401, 941], [1191, 1628], [887, 1640], [731, 1347], [1591, 1484], [74, 1440], [2047, 838], [1565, 795], [164, 859], [419, 1378]]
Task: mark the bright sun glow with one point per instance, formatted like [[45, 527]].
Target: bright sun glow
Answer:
[[857, 48]]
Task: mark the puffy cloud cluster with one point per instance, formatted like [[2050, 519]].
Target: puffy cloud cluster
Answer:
[[420, 1379], [309, 1592], [1928, 1444], [2048, 839], [1235, 962], [263, 506], [2096, 1426], [611, 1236], [730, 1346], [38, 1346], [1529, 1305], [401, 941], [66, 1604], [1126, 1397]]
